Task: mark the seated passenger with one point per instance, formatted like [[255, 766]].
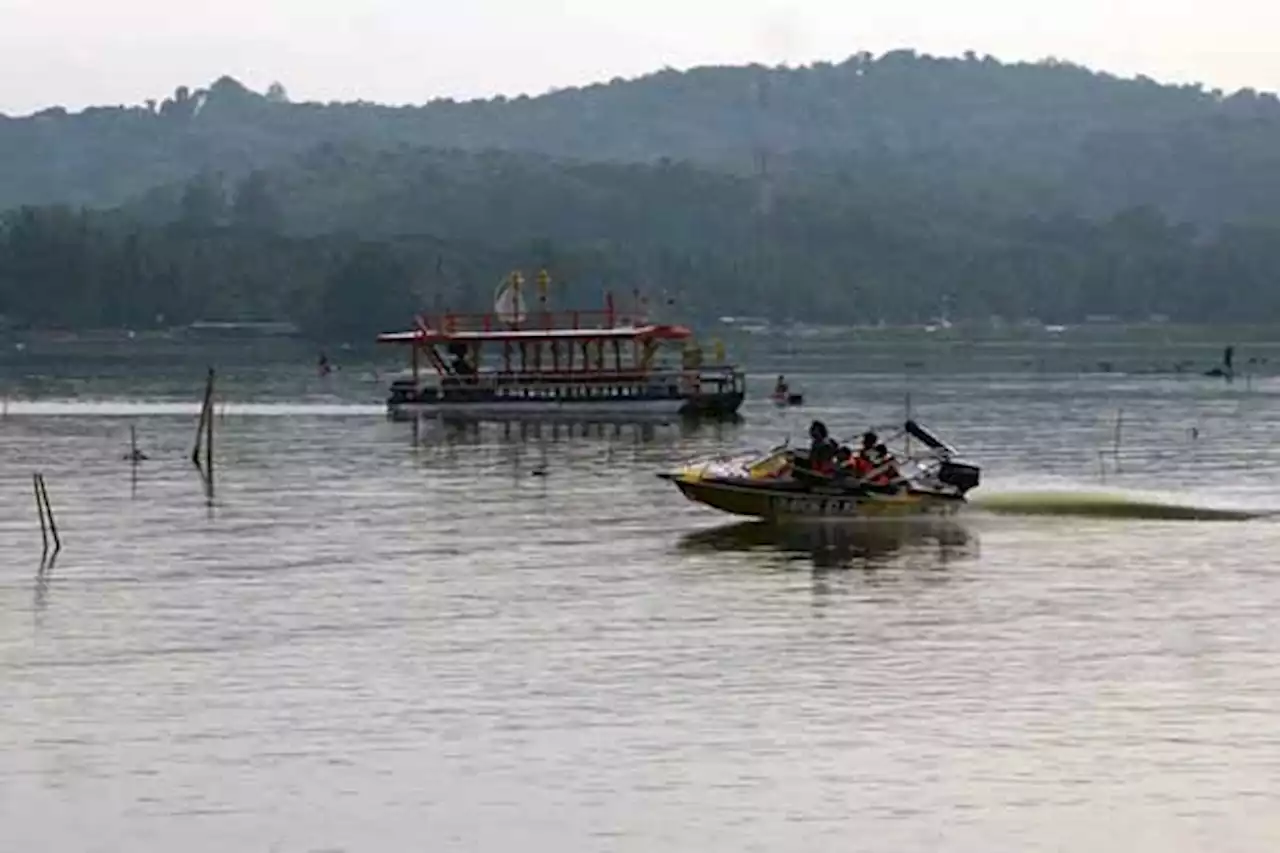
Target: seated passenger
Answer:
[[822, 450], [864, 463], [886, 471]]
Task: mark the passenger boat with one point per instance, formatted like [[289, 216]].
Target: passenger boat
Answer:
[[780, 483], [520, 363]]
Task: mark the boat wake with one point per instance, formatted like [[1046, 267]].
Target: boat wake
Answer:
[[1107, 505]]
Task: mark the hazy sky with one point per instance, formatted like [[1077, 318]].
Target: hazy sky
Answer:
[[408, 51]]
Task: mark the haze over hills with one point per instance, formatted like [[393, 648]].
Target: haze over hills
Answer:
[[872, 188]]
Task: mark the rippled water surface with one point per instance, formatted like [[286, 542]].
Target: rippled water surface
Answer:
[[377, 643]]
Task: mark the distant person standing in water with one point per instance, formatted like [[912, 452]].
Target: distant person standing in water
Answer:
[[323, 366]]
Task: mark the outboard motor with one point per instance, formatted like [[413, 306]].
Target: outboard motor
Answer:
[[959, 475]]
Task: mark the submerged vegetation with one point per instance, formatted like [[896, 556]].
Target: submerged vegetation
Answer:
[[892, 188]]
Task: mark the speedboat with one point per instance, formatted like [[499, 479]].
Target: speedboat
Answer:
[[781, 484]]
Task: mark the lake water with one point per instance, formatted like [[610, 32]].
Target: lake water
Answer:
[[372, 643]]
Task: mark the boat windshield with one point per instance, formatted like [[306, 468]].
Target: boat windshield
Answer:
[[772, 464]]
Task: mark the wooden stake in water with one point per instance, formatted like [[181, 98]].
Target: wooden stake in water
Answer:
[[48, 511], [48, 526], [205, 416], [44, 528], [208, 441]]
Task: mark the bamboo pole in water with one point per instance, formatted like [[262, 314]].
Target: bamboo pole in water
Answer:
[[48, 510], [42, 493], [208, 439], [205, 416], [44, 529]]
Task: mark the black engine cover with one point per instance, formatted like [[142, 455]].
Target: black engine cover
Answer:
[[963, 477]]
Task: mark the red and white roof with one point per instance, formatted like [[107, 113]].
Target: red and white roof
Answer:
[[421, 336]]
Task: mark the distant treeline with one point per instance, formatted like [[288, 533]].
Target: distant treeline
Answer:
[[895, 188], [813, 256]]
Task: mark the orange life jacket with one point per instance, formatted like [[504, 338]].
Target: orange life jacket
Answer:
[[887, 474]]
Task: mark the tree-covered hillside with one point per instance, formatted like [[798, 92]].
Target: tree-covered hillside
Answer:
[[1101, 143], [337, 243], [874, 189]]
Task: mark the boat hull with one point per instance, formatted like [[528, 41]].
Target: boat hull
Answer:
[[711, 406], [756, 501]]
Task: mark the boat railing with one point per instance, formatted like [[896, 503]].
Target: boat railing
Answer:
[[716, 378], [449, 323]]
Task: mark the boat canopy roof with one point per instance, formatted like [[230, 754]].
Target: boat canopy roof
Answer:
[[433, 336]]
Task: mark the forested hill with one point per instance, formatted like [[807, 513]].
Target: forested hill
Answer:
[[348, 241], [876, 189], [1098, 143]]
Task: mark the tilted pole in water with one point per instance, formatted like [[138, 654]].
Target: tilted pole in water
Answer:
[[48, 510], [205, 415], [44, 530], [42, 495]]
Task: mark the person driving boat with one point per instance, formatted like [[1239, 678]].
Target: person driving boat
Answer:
[[822, 449]]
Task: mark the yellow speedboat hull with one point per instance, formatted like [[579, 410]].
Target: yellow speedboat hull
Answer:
[[754, 500]]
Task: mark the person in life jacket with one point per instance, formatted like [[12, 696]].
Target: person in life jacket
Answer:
[[822, 449], [843, 460], [885, 472], [864, 462]]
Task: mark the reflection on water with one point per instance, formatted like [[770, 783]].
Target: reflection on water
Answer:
[[460, 431], [840, 545]]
